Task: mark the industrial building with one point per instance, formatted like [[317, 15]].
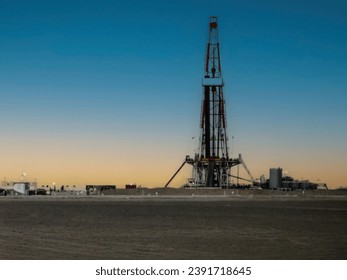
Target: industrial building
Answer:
[[130, 186], [99, 188], [278, 182], [18, 188]]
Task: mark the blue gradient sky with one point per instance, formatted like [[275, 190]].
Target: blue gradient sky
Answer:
[[110, 91]]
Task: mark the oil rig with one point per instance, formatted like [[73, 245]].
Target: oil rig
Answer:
[[212, 164]]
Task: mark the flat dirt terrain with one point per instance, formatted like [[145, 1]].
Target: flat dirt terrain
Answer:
[[151, 228]]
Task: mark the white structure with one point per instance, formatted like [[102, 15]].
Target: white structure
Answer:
[[322, 187], [21, 188], [275, 178]]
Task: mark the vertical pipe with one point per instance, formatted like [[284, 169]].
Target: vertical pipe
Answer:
[[213, 121], [207, 58], [207, 122]]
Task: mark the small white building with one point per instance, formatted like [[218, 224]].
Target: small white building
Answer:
[[21, 188], [322, 187]]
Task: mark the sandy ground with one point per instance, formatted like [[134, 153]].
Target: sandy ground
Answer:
[[122, 227]]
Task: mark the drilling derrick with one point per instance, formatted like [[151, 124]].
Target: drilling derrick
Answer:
[[211, 166]]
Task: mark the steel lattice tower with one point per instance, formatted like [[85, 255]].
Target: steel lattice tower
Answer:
[[211, 166]]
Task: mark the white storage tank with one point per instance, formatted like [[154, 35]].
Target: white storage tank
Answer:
[[275, 178]]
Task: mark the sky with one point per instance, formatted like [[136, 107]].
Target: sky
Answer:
[[109, 92]]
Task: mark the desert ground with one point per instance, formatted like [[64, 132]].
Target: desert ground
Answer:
[[169, 227]]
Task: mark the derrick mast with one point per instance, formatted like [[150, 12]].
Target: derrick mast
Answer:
[[211, 166]]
